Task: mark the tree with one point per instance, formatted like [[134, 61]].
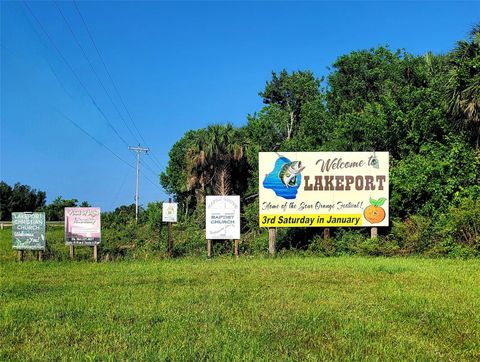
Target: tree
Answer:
[[174, 178], [211, 157], [55, 211], [291, 93], [19, 198], [463, 86]]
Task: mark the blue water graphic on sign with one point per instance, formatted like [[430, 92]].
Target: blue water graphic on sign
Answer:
[[286, 189]]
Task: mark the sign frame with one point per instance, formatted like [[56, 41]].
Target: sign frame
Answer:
[[222, 210], [170, 212], [84, 217], [323, 189], [36, 230]]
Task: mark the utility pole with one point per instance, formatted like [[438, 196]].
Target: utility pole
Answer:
[[138, 150]]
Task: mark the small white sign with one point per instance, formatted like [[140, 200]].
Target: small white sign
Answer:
[[169, 212], [223, 217]]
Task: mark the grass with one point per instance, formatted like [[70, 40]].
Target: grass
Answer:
[[345, 308]]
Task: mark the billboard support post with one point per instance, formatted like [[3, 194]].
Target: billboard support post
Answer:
[[40, 255], [272, 240], [20, 255], [326, 233], [209, 248], [95, 253], [72, 251], [373, 233], [235, 247]]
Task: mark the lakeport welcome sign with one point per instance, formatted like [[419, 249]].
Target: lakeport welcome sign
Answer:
[[28, 230], [222, 217], [323, 189], [82, 225]]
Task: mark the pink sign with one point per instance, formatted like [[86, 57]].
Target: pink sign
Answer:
[[82, 225]]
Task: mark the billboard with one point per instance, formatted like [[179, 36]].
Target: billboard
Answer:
[[82, 225], [308, 189], [28, 230], [223, 217], [169, 212]]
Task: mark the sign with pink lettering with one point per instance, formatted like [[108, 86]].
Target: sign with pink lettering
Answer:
[[82, 226]]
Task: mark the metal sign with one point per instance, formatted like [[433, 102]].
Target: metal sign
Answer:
[[223, 217], [299, 189], [82, 226], [169, 212], [28, 230]]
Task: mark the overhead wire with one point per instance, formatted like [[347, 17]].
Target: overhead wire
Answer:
[[90, 96], [100, 143], [93, 68], [154, 158], [75, 74]]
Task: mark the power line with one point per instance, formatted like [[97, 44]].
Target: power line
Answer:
[[112, 81], [93, 68], [97, 141], [74, 73]]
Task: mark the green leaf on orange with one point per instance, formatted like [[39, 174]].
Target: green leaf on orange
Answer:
[[378, 202]]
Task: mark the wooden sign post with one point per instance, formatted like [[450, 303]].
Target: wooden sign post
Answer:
[[209, 248], [95, 253], [373, 233], [235, 247], [272, 240], [169, 215], [326, 233]]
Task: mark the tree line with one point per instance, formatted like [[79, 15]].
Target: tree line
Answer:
[[423, 109]]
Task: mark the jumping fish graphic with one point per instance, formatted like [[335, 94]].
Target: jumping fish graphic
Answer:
[[288, 173]]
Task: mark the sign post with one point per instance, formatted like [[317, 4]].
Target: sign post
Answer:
[[323, 189], [28, 233], [222, 220], [169, 215], [82, 227]]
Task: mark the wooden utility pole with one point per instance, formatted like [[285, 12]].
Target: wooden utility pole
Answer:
[[373, 233], [272, 240], [138, 150]]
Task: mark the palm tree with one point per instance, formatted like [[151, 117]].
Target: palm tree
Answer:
[[211, 157], [463, 85]]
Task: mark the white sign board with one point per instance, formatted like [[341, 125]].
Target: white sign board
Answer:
[[169, 212], [223, 217]]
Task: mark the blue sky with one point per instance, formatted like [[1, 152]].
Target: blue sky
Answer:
[[178, 66]]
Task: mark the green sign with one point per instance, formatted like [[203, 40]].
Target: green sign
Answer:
[[28, 230]]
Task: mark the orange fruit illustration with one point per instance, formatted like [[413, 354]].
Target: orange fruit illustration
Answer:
[[374, 213]]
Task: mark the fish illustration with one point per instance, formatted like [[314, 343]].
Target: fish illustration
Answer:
[[288, 173]]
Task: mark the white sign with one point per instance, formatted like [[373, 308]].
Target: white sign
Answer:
[[299, 189], [169, 212], [223, 217]]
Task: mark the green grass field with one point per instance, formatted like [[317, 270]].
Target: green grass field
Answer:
[[346, 308]]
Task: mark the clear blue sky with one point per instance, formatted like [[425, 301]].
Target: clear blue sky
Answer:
[[178, 66]]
